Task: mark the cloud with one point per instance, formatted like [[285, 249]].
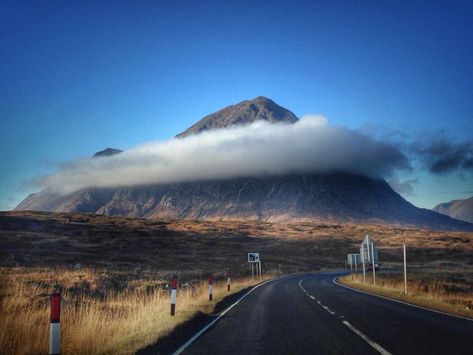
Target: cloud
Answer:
[[403, 187], [310, 145], [441, 155]]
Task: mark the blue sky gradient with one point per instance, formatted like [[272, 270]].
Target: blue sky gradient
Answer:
[[77, 77]]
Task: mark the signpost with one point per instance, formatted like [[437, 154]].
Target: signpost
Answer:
[[369, 254], [353, 260], [254, 259]]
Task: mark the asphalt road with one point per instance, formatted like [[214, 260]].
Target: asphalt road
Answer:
[[310, 314]]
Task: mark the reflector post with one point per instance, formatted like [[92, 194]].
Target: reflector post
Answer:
[[55, 325], [211, 280], [173, 294], [55, 307]]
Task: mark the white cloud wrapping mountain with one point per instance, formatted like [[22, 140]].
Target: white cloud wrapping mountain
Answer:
[[310, 145]]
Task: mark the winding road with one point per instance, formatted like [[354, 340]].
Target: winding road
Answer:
[[311, 314]]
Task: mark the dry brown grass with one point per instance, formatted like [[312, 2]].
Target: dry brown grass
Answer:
[[449, 291], [125, 261], [94, 320]]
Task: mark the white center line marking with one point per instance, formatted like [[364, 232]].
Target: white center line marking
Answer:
[[373, 344]]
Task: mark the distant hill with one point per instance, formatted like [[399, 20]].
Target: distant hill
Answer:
[[332, 197], [459, 209]]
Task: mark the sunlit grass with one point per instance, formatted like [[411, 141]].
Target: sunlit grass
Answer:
[[97, 321], [443, 292]]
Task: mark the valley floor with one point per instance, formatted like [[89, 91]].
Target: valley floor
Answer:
[[119, 264]]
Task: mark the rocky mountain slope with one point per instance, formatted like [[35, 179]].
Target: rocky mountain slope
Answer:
[[459, 209], [246, 112], [332, 197]]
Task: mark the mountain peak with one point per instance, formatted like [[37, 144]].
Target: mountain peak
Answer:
[[107, 152], [245, 112]]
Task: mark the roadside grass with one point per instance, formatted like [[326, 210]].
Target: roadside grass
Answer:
[[442, 291], [112, 270], [94, 319]]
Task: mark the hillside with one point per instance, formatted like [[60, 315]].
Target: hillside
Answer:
[[459, 209]]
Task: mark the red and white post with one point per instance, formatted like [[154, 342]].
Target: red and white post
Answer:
[[173, 294], [211, 281], [55, 324], [229, 280]]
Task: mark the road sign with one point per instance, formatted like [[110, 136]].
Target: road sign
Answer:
[[253, 257], [353, 259]]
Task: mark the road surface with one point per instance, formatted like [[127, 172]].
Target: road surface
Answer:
[[310, 314]]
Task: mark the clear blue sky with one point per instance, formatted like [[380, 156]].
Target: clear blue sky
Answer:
[[77, 77]]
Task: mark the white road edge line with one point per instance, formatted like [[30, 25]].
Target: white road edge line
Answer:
[[204, 329], [372, 343], [402, 302]]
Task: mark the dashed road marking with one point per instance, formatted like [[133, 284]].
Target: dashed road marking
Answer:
[[313, 298], [372, 343]]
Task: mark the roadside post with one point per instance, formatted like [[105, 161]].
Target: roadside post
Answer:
[[373, 264], [405, 269], [55, 324], [353, 260], [351, 270], [363, 261], [211, 281], [173, 294], [229, 280]]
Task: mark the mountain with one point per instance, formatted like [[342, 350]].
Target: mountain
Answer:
[[107, 152], [246, 112], [332, 197], [459, 209]]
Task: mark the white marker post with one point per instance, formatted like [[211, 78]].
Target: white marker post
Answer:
[[173, 294], [405, 270], [373, 265], [260, 271], [229, 280], [211, 280], [55, 325]]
